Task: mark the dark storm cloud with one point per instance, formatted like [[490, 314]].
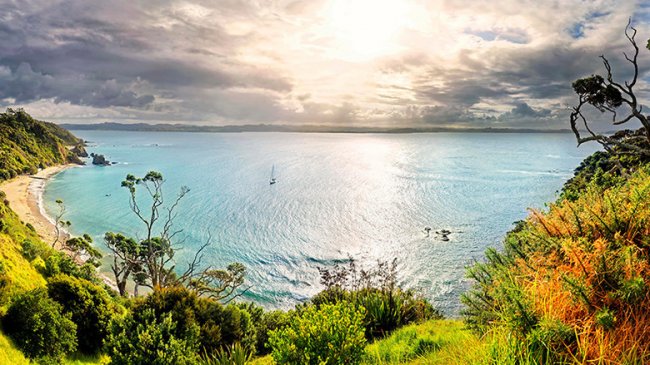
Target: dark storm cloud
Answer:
[[68, 52]]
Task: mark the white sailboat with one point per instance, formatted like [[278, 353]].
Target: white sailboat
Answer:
[[272, 180]]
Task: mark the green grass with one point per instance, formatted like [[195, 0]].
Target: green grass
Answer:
[[432, 342], [86, 360], [9, 354]]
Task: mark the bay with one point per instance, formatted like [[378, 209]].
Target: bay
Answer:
[[365, 196]]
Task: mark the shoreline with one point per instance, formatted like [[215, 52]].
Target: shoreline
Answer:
[[25, 196]]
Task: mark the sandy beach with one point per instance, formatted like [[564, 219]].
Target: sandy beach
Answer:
[[25, 195]]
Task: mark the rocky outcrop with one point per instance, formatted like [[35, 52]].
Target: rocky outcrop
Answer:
[[79, 151], [99, 160]]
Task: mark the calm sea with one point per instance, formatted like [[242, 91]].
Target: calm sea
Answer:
[[364, 196]]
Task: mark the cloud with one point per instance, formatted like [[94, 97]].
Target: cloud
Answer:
[[462, 63]]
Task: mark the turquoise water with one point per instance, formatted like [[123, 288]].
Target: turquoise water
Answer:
[[361, 195]]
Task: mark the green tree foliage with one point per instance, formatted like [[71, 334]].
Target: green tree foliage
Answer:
[[82, 246], [264, 322], [58, 262], [28, 144], [331, 334], [39, 328], [387, 306], [147, 338], [89, 306]]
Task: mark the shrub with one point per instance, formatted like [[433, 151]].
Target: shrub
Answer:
[[31, 250], [39, 329], [387, 306], [89, 306], [331, 334], [269, 321], [220, 326], [151, 340], [5, 284]]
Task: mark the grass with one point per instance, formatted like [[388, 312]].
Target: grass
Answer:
[[9, 354], [78, 359], [432, 342]]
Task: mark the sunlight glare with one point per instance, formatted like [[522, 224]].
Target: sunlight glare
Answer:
[[365, 29]]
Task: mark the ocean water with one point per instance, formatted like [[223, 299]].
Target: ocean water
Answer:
[[365, 196]]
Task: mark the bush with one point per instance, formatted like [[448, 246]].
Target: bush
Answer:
[[39, 329], [5, 284], [387, 306], [89, 306], [151, 340], [331, 334], [31, 250], [220, 326], [268, 322]]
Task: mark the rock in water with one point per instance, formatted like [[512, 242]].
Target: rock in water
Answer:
[[99, 160]]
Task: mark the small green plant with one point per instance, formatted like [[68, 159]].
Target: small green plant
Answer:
[[331, 334], [236, 354]]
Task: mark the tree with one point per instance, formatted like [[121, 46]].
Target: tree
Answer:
[[609, 96], [150, 261], [126, 258], [59, 222], [83, 246], [156, 253]]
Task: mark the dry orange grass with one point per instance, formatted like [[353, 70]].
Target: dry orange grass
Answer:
[[593, 271]]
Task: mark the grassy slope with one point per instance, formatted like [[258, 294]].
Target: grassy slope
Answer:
[[22, 274], [432, 342], [24, 145]]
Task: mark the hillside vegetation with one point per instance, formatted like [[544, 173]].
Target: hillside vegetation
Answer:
[[28, 144], [569, 286]]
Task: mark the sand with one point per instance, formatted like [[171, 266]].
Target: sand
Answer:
[[25, 196]]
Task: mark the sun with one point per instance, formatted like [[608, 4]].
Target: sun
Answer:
[[366, 29]]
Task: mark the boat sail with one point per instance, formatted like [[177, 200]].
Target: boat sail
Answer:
[[273, 179]]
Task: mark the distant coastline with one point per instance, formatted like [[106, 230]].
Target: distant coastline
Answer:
[[145, 127]]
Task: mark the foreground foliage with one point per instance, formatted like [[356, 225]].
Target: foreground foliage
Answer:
[[331, 334], [39, 328], [386, 305], [572, 284]]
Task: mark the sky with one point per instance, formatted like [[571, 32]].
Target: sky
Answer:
[[382, 63]]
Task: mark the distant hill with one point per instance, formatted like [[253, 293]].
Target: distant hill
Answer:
[[144, 127], [27, 144]]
